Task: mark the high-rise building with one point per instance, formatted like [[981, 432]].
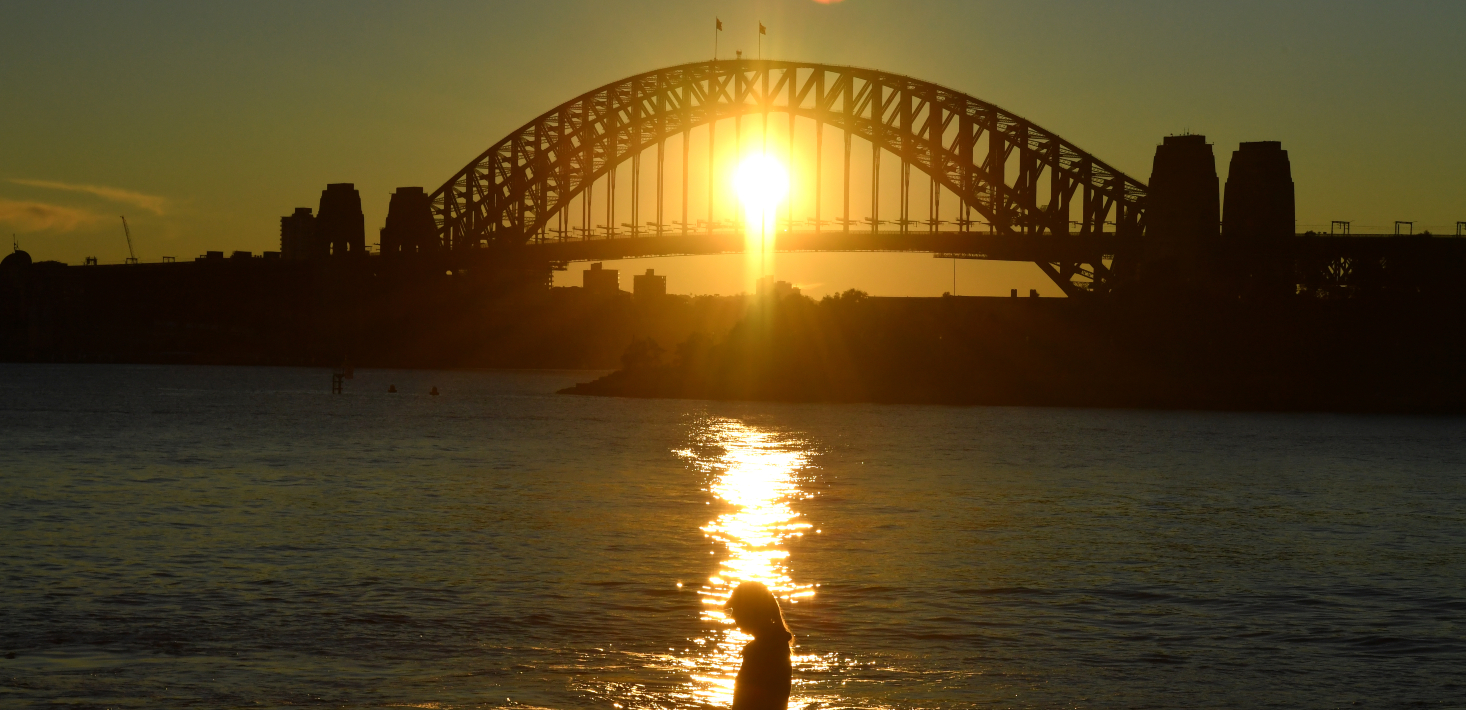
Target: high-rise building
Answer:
[[1259, 199], [769, 287], [298, 236], [339, 222], [410, 227], [599, 280], [1182, 202], [649, 285]]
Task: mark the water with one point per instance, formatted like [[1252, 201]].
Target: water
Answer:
[[238, 537]]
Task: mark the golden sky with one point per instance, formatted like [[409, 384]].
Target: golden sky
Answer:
[[205, 122]]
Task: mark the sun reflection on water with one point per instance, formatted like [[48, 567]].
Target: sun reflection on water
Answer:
[[755, 472]]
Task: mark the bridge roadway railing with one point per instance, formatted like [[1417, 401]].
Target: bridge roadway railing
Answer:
[[966, 245]]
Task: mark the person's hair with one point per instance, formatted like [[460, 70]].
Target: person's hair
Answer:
[[755, 610]]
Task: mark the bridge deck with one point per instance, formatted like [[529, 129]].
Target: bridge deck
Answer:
[[959, 244], [962, 245]]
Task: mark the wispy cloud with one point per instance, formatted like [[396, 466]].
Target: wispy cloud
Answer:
[[40, 217], [151, 203]]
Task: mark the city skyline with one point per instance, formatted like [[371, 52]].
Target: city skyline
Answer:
[[206, 125]]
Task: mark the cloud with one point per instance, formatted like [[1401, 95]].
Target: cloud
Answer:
[[39, 216], [151, 203]]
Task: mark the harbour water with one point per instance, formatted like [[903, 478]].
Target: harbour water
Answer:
[[240, 537]]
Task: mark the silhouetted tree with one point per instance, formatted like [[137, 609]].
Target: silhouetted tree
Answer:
[[642, 354]]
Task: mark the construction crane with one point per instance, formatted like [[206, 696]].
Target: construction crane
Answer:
[[131, 255]]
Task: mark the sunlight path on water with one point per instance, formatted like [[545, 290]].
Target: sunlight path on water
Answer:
[[755, 472]]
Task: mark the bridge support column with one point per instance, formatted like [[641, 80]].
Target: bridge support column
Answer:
[[712, 145], [846, 220], [903, 200], [789, 203], [905, 196], [686, 150], [935, 205], [737, 157], [819, 169], [997, 164], [661, 145], [875, 186]]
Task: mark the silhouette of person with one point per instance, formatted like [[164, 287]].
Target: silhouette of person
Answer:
[[763, 680]]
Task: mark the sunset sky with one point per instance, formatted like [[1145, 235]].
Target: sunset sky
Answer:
[[205, 122]]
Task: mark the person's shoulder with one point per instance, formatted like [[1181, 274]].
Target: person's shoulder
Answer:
[[766, 647]]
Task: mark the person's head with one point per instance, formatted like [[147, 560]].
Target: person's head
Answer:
[[755, 610]]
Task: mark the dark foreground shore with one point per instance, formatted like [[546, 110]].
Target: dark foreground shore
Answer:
[[1287, 355]]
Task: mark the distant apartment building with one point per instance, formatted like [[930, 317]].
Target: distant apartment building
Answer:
[[298, 236], [649, 285], [600, 280], [767, 286]]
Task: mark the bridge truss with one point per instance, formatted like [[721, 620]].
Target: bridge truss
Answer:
[[1039, 197]]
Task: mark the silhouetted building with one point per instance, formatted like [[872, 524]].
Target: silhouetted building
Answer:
[[1259, 199], [649, 285], [599, 280], [339, 222], [410, 227], [15, 261], [1183, 203], [767, 286], [298, 236]]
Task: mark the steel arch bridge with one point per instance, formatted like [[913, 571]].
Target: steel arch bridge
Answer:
[[1042, 198]]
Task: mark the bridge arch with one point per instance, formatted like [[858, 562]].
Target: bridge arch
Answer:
[[508, 194]]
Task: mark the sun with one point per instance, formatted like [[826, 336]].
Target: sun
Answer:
[[762, 183]]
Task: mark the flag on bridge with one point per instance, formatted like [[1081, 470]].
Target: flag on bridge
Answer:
[[720, 23], [762, 30]]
